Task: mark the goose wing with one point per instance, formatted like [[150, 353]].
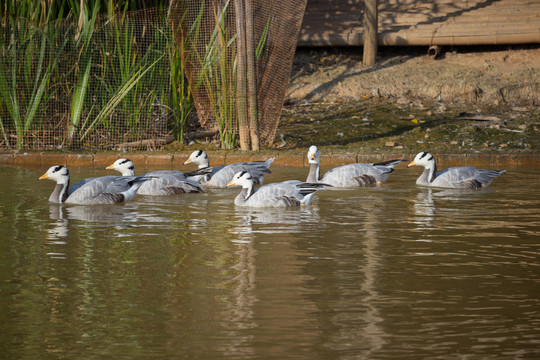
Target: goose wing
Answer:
[[465, 177], [79, 183], [222, 175], [105, 190], [353, 175], [169, 173], [168, 184], [287, 193]]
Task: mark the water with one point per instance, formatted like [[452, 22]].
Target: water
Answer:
[[391, 272]]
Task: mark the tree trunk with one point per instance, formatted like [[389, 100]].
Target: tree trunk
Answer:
[[370, 33], [252, 77], [241, 88]]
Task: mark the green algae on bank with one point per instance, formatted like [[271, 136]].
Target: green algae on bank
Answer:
[[373, 126]]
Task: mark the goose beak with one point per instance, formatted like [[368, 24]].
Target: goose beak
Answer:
[[311, 156], [411, 164], [188, 161], [231, 183], [44, 176], [110, 167]]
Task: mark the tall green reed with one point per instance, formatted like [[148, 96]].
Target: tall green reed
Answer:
[[85, 50], [30, 57], [181, 98], [217, 73], [120, 94]]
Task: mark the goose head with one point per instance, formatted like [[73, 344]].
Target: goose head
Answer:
[[313, 155], [198, 157], [424, 159], [58, 173], [124, 166], [243, 179]]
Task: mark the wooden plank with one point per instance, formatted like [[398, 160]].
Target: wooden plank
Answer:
[[423, 22]]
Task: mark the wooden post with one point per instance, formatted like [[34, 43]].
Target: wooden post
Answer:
[[370, 32], [241, 88], [252, 77]]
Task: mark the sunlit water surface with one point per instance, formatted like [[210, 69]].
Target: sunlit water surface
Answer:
[[396, 271]]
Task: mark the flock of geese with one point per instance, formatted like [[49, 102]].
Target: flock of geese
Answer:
[[116, 189]]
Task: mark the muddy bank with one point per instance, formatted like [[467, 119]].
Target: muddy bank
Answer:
[[469, 77], [482, 100]]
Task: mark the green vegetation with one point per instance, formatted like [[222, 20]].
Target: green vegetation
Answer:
[[88, 77], [100, 74]]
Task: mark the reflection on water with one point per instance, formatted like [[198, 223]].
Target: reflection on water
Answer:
[[424, 209], [383, 272]]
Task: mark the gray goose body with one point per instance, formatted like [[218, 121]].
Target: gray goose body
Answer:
[[220, 176], [461, 177], [350, 175], [160, 182], [91, 191], [281, 194]]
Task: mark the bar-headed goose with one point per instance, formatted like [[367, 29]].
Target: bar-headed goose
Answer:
[[281, 194], [162, 182], [92, 191], [467, 177], [222, 175], [350, 175]]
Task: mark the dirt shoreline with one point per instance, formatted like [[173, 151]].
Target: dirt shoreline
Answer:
[[478, 77], [467, 100]]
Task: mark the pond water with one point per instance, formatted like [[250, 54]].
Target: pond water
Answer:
[[396, 271]]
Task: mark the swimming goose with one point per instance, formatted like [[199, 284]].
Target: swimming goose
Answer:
[[92, 191], [467, 177], [350, 175], [281, 194], [162, 182], [222, 175]]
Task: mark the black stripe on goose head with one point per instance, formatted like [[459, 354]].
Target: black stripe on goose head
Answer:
[[424, 154], [125, 161], [59, 168], [201, 153], [245, 172]]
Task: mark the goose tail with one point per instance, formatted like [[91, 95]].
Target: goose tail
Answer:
[[389, 163]]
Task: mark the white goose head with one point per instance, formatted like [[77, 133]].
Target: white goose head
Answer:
[[58, 173], [198, 157], [243, 179], [313, 155], [424, 159], [124, 166]]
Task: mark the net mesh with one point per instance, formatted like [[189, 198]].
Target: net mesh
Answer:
[[43, 79], [120, 86], [207, 33]]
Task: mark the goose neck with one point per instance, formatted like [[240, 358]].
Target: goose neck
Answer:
[[314, 172], [60, 192]]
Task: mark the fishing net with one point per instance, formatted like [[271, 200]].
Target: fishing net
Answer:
[[207, 33]]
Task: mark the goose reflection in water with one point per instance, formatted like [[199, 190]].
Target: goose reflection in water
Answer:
[[425, 204], [424, 209], [63, 214], [276, 220]]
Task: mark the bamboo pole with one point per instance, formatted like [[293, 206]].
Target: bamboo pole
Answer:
[[241, 88], [252, 77]]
